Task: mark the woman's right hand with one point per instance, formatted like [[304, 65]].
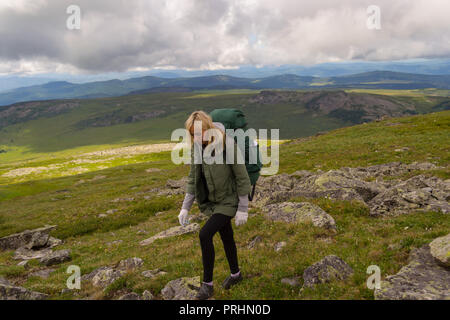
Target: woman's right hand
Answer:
[[183, 217]]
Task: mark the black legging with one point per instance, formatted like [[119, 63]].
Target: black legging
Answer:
[[222, 223]]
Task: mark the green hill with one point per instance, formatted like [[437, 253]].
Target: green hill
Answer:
[[80, 206], [28, 130]]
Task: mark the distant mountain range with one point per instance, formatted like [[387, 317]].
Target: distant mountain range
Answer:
[[112, 88], [331, 69]]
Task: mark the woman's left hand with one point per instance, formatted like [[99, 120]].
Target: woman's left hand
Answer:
[[241, 218]]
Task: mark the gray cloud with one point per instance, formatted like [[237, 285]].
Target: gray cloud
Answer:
[[125, 35]]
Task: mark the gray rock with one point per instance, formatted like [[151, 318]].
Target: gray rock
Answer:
[[383, 197], [255, 241], [104, 277], [172, 232], [56, 257], [27, 254], [8, 292], [172, 187], [3, 281], [130, 264], [299, 212], [440, 250], [147, 295], [176, 184], [153, 273], [130, 296], [17, 240], [181, 289], [328, 269], [109, 244], [38, 240], [91, 275], [53, 242], [419, 193], [44, 274], [23, 263], [293, 282], [422, 279], [279, 246]]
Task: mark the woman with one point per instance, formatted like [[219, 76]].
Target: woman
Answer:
[[221, 192]]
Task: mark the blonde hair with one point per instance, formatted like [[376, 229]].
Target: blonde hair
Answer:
[[207, 123]]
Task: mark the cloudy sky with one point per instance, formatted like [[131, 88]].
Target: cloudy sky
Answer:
[[128, 35]]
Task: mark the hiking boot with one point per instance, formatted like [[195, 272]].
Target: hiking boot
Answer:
[[206, 291], [231, 281]]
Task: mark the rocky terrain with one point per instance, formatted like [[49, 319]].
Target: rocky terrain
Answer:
[[427, 276], [118, 117], [21, 112], [379, 187], [339, 104]]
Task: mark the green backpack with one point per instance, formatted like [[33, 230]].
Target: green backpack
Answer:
[[235, 119]]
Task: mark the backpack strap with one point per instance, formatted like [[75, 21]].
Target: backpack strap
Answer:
[[250, 196]]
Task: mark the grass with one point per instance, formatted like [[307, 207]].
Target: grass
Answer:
[[360, 240], [68, 134]]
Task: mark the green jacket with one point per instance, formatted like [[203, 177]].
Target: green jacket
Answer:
[[224, 183]]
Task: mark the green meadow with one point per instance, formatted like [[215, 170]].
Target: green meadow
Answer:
[[76, 188]]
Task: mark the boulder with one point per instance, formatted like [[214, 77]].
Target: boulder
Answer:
[[104, 277], [299, 212], [181, 289], [33, 251], [53, 242], [17, 240], [130, 264], [440, 250], [27, 254], [364, 184], [91, 275], [419, 193], [130, 296], [9, 292], [56, 257], [328, 269], [147, 295], [44, 274], [422, 279], [153, 273], [38, 240], [172, 232]]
